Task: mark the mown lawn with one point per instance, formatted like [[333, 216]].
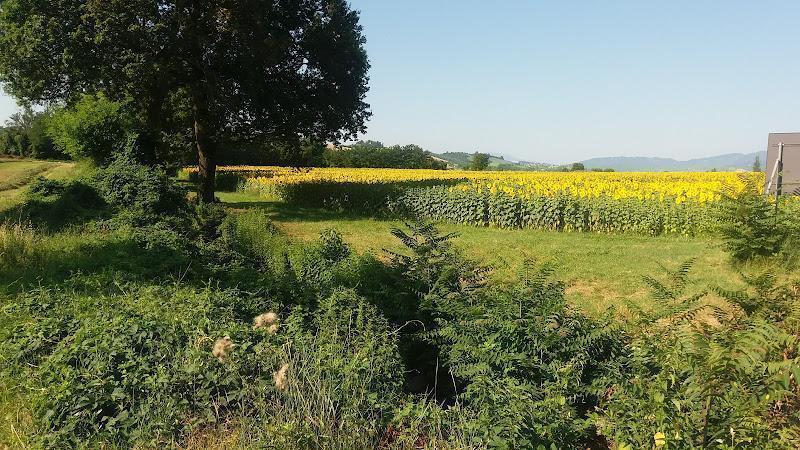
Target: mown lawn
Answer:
[[601, 270], [15, 174]]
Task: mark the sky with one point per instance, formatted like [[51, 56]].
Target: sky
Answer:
[[562, 81]]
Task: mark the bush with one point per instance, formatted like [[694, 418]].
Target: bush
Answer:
[[45, 187], [525, 369], [710, 377], [56, 205], [94, 128], [145, 365], [144, 191], [528, 368], [332, 247], [752, 226]]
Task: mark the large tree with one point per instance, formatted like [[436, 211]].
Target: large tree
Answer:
[[238, 69]]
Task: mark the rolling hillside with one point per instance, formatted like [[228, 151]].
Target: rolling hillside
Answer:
[[727, 162], [461, 160]]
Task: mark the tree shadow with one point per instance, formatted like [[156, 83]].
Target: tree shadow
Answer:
[[286, 212], [123, 256], [78, 204]]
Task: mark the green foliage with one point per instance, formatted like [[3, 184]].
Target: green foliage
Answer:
[[358, 198], [374, 154], [529, 367], [110, 340], [145, 191], [18, 245], [45, 187], [55, 205], [54, 54], [94, 127], [479, 161], [332, 247], [710, 377], [25, 134], [577, 167], [122, 363], [562, 212], [526, 368], [753, 226]]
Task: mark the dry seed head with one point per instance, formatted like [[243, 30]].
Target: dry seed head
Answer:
[[282, 377], [265, 320], [273, 329], [222, 348]]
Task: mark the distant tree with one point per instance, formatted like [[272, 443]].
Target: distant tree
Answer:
[[368, 144], [25, 134], [214, 70], [757, 164], [578, 167], [479, 161], [369, 155]]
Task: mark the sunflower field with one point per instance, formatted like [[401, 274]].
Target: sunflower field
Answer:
[[644, 202]]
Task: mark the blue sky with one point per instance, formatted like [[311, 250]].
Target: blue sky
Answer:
[[561, 81]]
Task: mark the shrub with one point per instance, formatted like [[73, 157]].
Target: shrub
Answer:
[[703, 376], [332, 247], [55, 205], [145, 191], [525, 368], [529, 369], [752, 226], [45, 187], [94, 128]]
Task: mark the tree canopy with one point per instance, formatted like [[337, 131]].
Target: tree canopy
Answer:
[[479, 161], [213, 70], [374, 154]]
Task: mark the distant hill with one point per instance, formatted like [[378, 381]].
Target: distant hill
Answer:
[[727, 162], [461, 160]]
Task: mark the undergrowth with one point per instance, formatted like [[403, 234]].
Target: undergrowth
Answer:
[[137, 319]]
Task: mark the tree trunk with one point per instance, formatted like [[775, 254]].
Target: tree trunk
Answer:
[[206, 153]]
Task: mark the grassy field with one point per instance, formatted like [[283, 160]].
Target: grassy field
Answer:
[[198, 276], [601, 270], [15, 174]]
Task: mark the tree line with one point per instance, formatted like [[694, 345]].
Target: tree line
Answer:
[[193, 77]]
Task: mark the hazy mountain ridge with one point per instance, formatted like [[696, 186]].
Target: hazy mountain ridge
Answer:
[[726, 162]]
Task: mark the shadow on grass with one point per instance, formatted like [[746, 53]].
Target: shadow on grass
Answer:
[[78, 204], [285, 212], [120, 255]]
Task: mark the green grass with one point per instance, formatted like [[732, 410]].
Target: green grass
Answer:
[[600, 270], [15, 174], [113, 267]]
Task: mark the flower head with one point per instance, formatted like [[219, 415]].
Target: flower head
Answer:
[[265, 320], [222, 348], [282, 377]]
